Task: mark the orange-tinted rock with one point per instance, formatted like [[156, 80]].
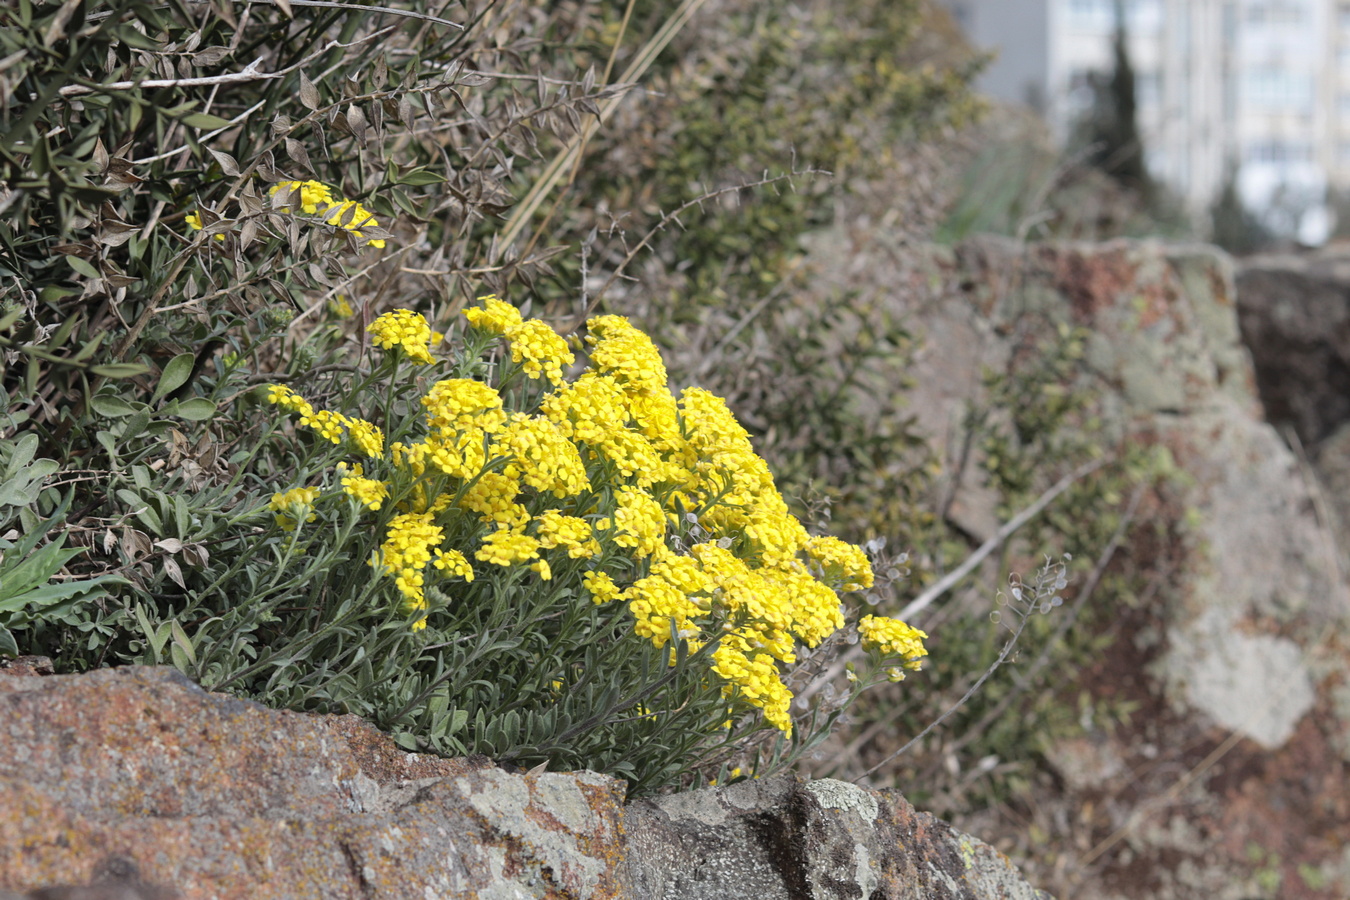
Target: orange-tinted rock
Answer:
[[134, 784], [216, 797]]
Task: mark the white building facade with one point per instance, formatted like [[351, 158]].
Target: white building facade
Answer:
[[1263, 85]]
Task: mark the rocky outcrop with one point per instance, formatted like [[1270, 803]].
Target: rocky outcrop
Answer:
[[1295, 315], [135, 784], [1231, 777]]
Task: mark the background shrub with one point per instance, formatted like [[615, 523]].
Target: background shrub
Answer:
[[135, 347]]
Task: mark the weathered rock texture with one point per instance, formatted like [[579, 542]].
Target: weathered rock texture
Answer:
[[135, 784], [1232, 777], [1295, 315]]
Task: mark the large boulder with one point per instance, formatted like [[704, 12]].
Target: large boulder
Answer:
[[135, 784], [1233, 772]]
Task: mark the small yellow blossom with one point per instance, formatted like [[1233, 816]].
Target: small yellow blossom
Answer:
[[539, 349], [891, 637], [369, 491], [341, 307], [294, 506], [194, 221], [504, 548], [455, 563], [406, 329], [367, 437], [494, 316], [318, 199], [601, 587], [571, 533]]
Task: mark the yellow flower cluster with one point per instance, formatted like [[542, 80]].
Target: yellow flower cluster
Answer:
[[893, 638], [329, 425], [371, 492], [406, 550], [609, 468], [293, 507], [406, 329], [317, 199], [495, 316]]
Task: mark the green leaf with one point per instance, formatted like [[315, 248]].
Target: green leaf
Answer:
[[33, 569], [420, 177], [119, 370], [204, 120], [113, 407], [50, 594], [181, 641], [22, 454], [8, 646], [18, 492], [83, 267], [197, 409], [175, 373]]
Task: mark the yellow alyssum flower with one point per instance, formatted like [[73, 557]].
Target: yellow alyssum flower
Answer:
[[194, 221], [538, 349], [456, 404], [328, 424], [406, 329], [288, 399], [657, 607], [505, 547], [318, 199], [638, 522], [460, 455], [756, 679], [842, 564], [453, 562], [620, 350], [891, 637], [341, 307], [493, 497], [371, 492], [294, 506], [600, 586], [571, 533], [312, 195], [495, 315], [368, 438], [540, 456]]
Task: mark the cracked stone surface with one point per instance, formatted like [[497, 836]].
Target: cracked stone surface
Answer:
[[135, 784]]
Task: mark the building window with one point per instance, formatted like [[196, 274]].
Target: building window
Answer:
[[1277, 88], [1279, 152], [1100, 15], [1277, 12]]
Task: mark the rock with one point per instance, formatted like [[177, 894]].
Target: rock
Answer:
[[135, 784], [826, 839], [1233, 768], [1295, 316]]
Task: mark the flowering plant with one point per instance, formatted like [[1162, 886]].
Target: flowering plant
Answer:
[[629, 541]]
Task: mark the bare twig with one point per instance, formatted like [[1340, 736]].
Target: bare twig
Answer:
[[924, 600], [249, 73], [993, 667], [1066, 622], [328, 4]]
